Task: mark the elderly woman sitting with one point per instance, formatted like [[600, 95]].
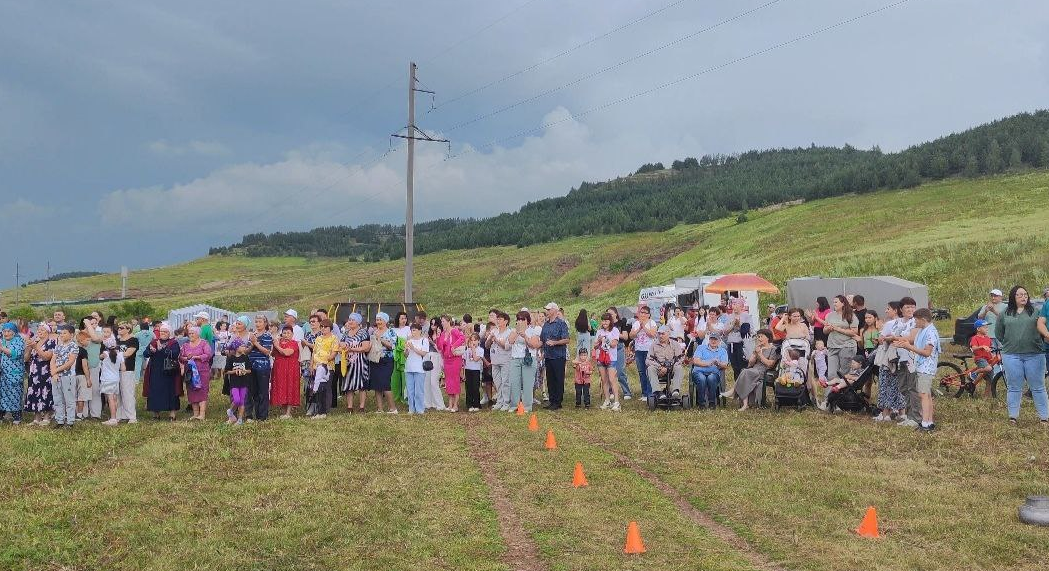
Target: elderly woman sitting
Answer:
[[752, 379]]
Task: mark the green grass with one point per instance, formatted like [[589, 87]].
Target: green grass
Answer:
[[958, 236], [382, 492]]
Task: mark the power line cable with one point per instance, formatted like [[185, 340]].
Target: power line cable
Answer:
[[617, 65], [681, 79], [564, 53]]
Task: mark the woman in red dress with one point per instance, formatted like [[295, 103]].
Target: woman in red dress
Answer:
[[286, 373]]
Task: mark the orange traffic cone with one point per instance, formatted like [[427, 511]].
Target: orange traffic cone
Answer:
[[633, 540], [869, 526], [551, 444], [520, 408], [579, 478], [533, 423]]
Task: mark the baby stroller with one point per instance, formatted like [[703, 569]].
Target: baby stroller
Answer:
[[796, 395], [851, 398]]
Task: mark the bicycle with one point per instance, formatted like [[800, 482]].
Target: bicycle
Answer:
[[953, 377]]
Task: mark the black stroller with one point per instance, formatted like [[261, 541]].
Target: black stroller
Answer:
[[796, 395], [851, 397]]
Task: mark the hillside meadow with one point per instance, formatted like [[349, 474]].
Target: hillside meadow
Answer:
[[958, 236]]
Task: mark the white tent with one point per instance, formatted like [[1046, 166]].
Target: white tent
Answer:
[[179, 316], [877, 291]]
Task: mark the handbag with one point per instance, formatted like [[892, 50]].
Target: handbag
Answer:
[[427, 365], [375, 351], [527, 361]]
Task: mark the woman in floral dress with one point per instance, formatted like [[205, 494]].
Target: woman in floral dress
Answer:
[[38, 396]]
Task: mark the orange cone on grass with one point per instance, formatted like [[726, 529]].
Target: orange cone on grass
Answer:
[[869, 526], [551, 444], [533, 423], [520, 408], [634, 545], [579, 478]]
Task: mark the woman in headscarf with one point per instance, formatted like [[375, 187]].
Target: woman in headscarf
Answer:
[[355, 345], [258, 406], [195, 356], [12, 369], [162, 387], [452, 344], [38, 395], [382, 370]]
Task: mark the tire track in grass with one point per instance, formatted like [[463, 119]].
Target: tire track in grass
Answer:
[[522, 554], [702, 519]]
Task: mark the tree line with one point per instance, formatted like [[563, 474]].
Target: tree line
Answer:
[[691, 191]]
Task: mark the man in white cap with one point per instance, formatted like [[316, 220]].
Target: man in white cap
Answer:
[[554, 337], [990, 312]]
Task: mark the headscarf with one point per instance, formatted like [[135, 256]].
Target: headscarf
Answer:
[[357, 317], [44, 325], [193, 329], [165, 325], [10, 326], [383, 316], [245, 321]]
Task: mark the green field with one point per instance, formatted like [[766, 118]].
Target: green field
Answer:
[[960, 237], [710, 490]]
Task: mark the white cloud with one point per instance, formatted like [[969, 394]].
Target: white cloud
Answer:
[[204, 148], [22, 213], [310, 188]]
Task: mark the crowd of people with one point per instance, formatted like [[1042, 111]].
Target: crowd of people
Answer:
[[63, 373]]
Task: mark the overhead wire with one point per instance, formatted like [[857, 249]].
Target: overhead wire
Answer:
[[606, 69], [559, 55]]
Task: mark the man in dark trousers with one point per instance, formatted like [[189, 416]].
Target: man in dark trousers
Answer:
[[555, 350]]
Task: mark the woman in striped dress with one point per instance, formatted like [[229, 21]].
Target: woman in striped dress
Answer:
[[355, 346]]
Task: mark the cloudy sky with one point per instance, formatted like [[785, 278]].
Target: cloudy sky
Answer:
[[140, 132]]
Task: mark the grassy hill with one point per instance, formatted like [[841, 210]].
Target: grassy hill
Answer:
[[958, 236]]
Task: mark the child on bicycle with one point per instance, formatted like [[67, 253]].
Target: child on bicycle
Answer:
[[980, 344]]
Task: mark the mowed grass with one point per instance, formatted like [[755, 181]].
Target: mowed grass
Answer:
[[960, 237], [398, 492]]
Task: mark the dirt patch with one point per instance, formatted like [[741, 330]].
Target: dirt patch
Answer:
[[115, 293], [606, 283], [718, 530], [521, 552], [565, 263]]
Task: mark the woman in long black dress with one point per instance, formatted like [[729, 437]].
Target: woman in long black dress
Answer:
[[162, 374]]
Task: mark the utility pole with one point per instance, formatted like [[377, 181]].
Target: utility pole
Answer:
[[413, 134]]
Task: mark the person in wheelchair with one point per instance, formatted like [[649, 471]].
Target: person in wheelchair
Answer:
[[709, 363], [665, 358]]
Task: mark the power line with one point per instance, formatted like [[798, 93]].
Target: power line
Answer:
[[681, 79], [543, 62], [450, 47], [608, 68]]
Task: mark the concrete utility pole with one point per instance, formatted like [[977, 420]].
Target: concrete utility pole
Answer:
[[413, 134]]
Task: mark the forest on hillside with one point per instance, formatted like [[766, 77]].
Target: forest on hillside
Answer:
[[692, 190]]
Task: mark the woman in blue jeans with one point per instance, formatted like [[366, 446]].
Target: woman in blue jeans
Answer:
[[1017, 331], [709, 363]]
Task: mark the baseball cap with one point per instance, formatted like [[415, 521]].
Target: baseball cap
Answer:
[[663, 329], [202, 315], [550, 305], [713, 335], [996, 291], [979, 323], [292, 313]]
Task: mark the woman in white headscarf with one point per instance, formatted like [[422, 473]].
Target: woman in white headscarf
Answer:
[[162, 387]]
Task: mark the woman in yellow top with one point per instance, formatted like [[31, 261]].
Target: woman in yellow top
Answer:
[[324, 348]]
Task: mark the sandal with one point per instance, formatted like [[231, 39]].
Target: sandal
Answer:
[[1012, 422]]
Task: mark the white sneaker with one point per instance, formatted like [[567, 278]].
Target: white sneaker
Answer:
[[615, 406], [132, 421], [111, 422], [822, 405], [907, 423], [627, 397], [726, 394], [484, 400], [316, 416], [394, 411], [606, 404], [879, 418], [472, 409]]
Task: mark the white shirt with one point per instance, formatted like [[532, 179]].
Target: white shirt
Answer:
[[413, 362], [500, 356], [677, 327], [470, 355], [517, 350], [605, 338], [642, 340], [403, 332]]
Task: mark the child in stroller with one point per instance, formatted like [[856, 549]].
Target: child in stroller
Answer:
[[790, 388], [846, 393]]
